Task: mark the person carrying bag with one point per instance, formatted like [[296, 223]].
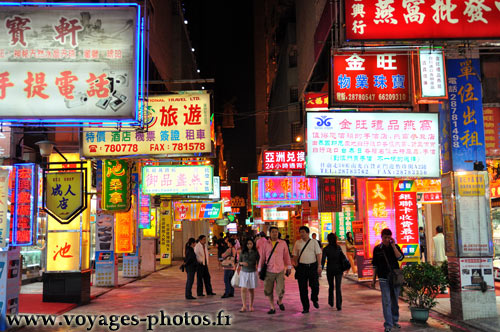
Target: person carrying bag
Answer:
[[263, 269], [298, 261], [395, 277]]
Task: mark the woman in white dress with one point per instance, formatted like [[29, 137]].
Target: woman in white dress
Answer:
[[248, 276]]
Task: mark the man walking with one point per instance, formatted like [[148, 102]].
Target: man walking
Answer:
[[385, 259], [201, 252], [307, 262], [275, 254], [439, 251]]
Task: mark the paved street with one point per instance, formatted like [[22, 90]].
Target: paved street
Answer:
[[165, 290]]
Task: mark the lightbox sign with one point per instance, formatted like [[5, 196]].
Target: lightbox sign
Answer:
[[5, 138], [405, 200], [177, 180], [24, 207], [373, 144], [124, 232], [4, 207], [316, 101], [371, 78], [282, 188], [63, 62], [64, 195], [418, 19], [379, 210], [176, 124], [115, 185], [144, 218], [290, 160], [63, 251], [197, 211], [225, 194], [466, 113], [254, 188], [272, 214], [432, 73]]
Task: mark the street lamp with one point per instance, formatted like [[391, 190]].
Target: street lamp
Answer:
[[46, 148]]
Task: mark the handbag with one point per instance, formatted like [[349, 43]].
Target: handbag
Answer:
[[235, 280], [395, 277], [182, 267], [346, 265], [263, 269], [298, 260], [229, 261]]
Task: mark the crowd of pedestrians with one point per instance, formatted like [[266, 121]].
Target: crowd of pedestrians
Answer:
[[271, 260]]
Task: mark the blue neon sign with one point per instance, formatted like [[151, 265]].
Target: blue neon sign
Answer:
[[23, 225]]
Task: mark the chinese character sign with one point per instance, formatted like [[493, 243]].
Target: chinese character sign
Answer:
[[144, 218], [115, 185], [466, 113], [197, 211], [177, 180], [64, 195], [330, 198], [124, 232], [371, 78], [316, 101], [379, 210], [491, 118], [166, 233], [176, 124], [225, 195], [272, 214], [420, 19], [63, 251], [284, 160], [254, 185], [69, 62], [4, 207], [23, 227], [285, 188], [406, 220], [432, 73], [373, 144], [343, 221]]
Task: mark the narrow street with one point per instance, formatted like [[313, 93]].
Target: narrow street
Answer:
[[164, 290]]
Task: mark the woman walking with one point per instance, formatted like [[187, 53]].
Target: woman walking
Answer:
[[334, 255], [190, 266], [351, 252], [228, 264], [248, 276]]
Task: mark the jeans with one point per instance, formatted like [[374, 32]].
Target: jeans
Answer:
[[338, 291], [307, 274], [228, 275], [390, 306]]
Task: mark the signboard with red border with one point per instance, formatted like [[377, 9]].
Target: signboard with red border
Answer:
[[23, 227], [371, 78]]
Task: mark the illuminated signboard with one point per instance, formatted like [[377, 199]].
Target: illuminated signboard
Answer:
[[24, 208], [64, 195], [166, 233], [4, 207], [177, 124], [115, 185], [371, 78], [278, 188], [284, 160], [151, 232], [5, 139], [197, 211], [405, 201], [216, 196], [379, 211], [78, 62], [177, 180], [491, 119], [316, 101], [272, 214], [343, 221], [124, 232], [373, 144], [144, 218], [428, 185], [432, 73], [444, 19], [254, 185], [325, 219], [330, 199], [225, 193], [63, 251]]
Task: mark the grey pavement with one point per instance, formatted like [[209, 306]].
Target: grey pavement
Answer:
[[164, 290]]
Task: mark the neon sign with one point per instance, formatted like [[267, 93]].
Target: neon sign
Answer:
[[23, 227]]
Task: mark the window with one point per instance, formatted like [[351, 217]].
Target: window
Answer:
[[294, 95]]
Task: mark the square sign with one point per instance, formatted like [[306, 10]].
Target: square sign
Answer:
[[371, 78]]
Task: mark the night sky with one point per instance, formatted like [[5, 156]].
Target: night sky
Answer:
[[221, 32]]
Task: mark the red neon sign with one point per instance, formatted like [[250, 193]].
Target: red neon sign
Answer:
[[24, 205], [371, 78], [443, 19], [406, 217]]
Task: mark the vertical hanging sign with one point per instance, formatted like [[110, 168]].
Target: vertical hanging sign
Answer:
[[405, 200], [166, 233], [64, 195], [23, 227], [124, 232], [466, 113], [330, 195], [4, 207], [143, 211], [115, 185]]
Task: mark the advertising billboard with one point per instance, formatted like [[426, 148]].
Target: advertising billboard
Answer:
[[371, 78], [284, 188], [444, 19], [176, 124], [69, 62], [177, 180], [254, 189], [197, 211], [290, 160], [373, 144]]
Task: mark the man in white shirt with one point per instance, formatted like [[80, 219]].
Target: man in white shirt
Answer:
[[439, 250], [307, 262], [201, 252]]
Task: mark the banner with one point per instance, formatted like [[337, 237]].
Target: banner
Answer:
[[466, 113], [371, 78], [166, 233], [197, 211], [284, 160], [330, 195], [176, 124], [4, 207], [177, 180], [24, 208], [115, 185], [443, 19], [64, 195], [282, 188], [379, 210], [70, 62], [124, 232], [373, 144]]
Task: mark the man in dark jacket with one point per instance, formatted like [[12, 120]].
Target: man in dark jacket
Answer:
[[190, 265], [385, 259]]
